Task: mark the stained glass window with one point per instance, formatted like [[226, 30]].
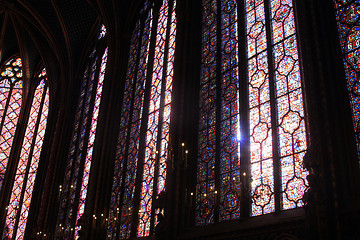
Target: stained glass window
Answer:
[[348, 22], [10, 105], [219, 85], [75, 185], [20, 199], [275, 139], [133, 89], [131, 159]]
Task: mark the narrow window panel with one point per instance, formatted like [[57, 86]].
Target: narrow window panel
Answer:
[[348, 22], [20, 199], [10, 105]]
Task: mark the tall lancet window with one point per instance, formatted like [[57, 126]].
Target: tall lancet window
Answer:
[[252, 135], [348, 21], [75, 185], [10, 105], [20, 199], [140, 165]]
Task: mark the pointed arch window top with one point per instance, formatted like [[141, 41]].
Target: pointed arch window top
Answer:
[[102, 31], [43, 73], [12, 71]]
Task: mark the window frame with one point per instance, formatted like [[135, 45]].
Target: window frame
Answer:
[[19, 140], [69, 193], [245, 166]]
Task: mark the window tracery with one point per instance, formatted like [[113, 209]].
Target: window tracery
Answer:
[[144, 158], [267, 151], [21, 195]]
